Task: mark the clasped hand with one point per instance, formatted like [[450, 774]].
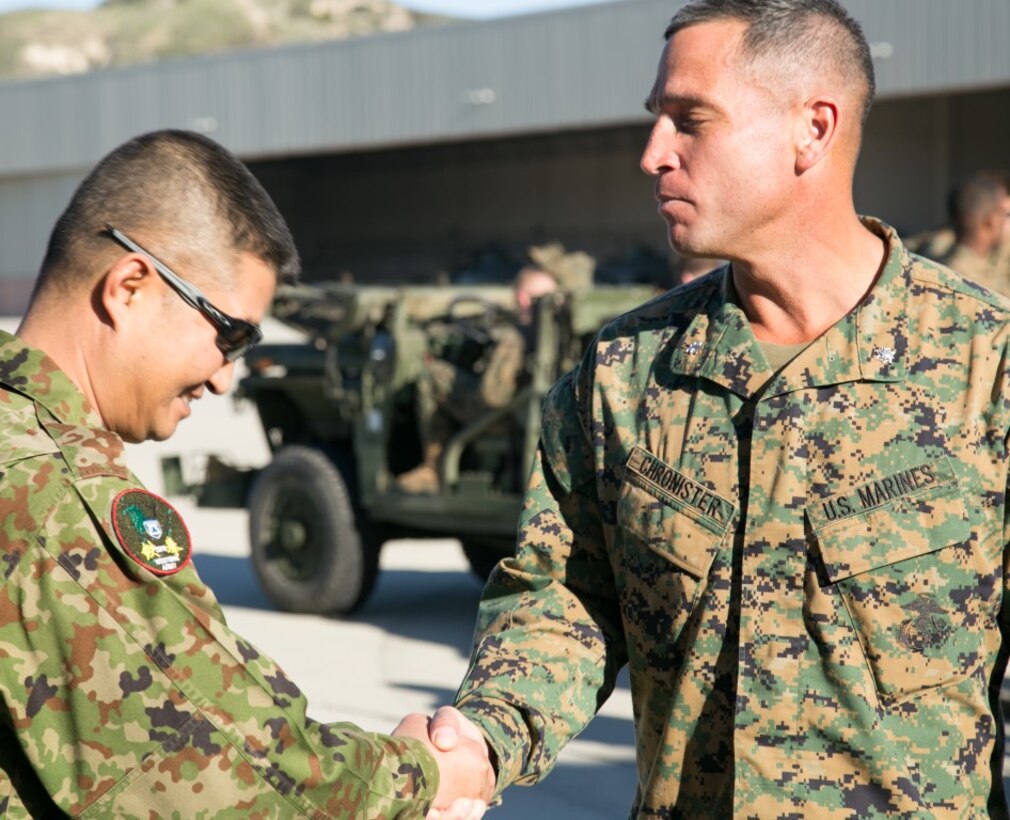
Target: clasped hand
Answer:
[[466, 777]]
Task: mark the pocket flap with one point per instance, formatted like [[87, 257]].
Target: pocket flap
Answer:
[[911, 513], [674, 515]]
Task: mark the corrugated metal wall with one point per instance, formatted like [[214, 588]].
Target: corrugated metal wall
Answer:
[[581, 68], [937, 45], [543, 72]]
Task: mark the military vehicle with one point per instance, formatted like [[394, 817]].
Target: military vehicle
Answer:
[[338, 413]]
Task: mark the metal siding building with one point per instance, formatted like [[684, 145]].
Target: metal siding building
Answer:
[[400, 151]]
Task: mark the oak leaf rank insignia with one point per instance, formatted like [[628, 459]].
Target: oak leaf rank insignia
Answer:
[[151, 531]]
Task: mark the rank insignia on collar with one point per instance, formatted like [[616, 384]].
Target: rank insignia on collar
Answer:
[[692, 348], [151, 531], [885, 355]]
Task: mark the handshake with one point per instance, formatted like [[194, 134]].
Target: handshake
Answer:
[[466, 777]]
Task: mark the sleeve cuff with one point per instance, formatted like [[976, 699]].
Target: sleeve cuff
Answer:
[[505, 733]]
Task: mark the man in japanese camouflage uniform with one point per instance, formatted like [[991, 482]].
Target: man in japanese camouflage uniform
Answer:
[[124, 693], [778, 493]]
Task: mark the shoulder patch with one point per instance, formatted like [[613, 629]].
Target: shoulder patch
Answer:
[[151, 531]]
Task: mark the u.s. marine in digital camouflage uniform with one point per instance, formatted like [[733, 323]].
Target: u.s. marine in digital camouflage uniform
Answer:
[[803, 576], [776, 494]]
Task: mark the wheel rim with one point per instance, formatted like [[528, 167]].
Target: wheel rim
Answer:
[[295, 547]]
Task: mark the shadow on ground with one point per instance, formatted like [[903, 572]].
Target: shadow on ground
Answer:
[[233, 581], [439, 606], [430, 606], [416, 604], [569, 791]]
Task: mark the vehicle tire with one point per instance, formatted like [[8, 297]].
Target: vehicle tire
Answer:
[[483, 556], [311, 549]]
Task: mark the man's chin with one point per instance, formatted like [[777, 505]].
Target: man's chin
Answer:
[[161, 432], [689, 245], [682, 245], [164, 433]]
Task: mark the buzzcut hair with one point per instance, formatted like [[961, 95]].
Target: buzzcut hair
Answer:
[[796, 34], [975, 200], [181, 188]]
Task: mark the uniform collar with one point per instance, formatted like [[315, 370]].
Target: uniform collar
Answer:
[[66, 414], [870, 343]]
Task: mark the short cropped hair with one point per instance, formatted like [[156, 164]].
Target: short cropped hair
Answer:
[[797, 34], [178, 187], [974, 201]]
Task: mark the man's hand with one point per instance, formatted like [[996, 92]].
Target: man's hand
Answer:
[[448, 725], [466, 778]]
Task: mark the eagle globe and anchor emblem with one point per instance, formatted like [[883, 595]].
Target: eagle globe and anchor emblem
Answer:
[[928, 629]]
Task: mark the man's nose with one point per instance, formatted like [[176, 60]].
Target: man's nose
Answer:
[[659, 154], [221, 380]]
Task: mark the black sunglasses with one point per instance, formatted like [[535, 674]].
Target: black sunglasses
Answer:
[[235, 337]]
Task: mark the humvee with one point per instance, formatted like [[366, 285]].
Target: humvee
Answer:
[[339, 416]]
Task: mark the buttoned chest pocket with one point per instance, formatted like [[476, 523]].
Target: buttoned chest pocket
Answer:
[[902, 556], [670, 529]]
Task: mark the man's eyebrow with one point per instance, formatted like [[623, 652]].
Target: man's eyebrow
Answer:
[[656, 103]]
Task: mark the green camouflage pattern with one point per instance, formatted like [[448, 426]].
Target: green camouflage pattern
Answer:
[[803, 569], [125, 694]]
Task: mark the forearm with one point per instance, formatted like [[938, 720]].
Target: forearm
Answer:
[[549, 640], [545, 657], [530, 705]]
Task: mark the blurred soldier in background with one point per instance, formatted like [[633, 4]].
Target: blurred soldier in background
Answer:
[[980, 214], [935, 243], [449, 394], [1002, 256], [124, 693], [938, 243]]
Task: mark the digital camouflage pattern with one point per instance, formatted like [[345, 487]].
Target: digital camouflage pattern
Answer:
[[803, 570], [124, 693]]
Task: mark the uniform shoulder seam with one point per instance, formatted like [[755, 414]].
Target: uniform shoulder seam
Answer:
[[939, 275]]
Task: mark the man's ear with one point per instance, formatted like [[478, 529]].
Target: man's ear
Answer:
[[994, 226], [816, 130], [125, 285]]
